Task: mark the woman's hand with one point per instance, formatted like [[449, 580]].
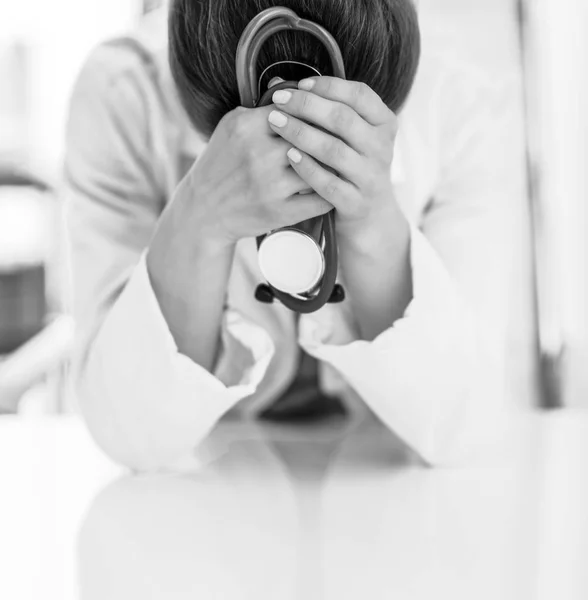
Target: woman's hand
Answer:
[[343, 144], [242, 185], [348, 160]]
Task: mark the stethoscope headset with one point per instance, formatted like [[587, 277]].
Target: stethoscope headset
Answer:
[[300, 267]]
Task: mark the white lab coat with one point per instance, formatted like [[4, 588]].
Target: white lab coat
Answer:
[[436, 378]]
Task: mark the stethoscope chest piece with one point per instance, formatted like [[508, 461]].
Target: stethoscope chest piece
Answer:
[[300, 269], [291, 261]]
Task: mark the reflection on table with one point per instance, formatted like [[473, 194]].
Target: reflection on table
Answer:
[[339, 511], [339, 514]]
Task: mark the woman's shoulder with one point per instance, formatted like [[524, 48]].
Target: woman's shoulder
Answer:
[[123, 102], [129, 75], [456, 90], [454, 72], [136, 59], [139, 53]]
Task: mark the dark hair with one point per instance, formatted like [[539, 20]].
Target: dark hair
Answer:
[[379, 40]]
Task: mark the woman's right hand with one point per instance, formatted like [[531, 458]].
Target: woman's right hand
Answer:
[[243, 185]]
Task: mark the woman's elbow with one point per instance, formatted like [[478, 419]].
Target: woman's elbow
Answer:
[[130, 438]]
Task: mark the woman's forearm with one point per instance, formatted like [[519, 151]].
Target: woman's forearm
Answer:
[[190, 280], [376, 269]]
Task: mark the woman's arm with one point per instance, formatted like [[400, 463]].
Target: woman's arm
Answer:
[[146, 402], [435, 374], [190, 279], [376, 271], [151, 287]]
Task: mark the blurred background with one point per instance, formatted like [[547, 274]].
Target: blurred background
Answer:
[[42, 48], [540, 43]]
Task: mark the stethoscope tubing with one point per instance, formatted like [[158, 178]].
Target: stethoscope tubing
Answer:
[[257, 32]]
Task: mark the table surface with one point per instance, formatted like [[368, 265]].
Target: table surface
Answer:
[[335, 512]]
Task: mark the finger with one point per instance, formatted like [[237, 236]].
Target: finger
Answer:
[[359, 96], [336, 117], [321, 145], [300, 208], [276, 161], [291, 183], [249, 117], [250, 122], [326, 184]]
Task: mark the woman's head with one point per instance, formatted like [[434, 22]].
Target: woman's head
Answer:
[[379, 40]]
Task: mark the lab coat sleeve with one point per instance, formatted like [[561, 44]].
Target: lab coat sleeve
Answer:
[[437, 376], [147, 405]]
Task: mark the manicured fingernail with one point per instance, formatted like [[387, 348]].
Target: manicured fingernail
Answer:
[[281, 96], [277, 118], [306, 84], [294, 155]]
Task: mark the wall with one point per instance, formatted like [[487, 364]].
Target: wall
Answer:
[[57, 36], [485, 34], [560, 93]]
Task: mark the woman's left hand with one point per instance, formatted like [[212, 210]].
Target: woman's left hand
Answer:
[[355, 141]]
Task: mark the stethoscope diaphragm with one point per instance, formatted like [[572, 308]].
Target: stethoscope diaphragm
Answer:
[[300, 271], [291, 261]]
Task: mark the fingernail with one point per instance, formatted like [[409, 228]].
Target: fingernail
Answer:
[[274, 81], [277, 119], [294, 155], [281, 96], [306, 84]]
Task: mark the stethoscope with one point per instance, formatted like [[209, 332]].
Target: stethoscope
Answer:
[[299, 266]]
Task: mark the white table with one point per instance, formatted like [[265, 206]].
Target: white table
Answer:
[[295, 514]]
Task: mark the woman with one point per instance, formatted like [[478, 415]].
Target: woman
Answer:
[[169, 182]]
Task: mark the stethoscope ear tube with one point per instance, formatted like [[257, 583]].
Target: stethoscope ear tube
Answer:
[[266, 24], [263, 26]]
